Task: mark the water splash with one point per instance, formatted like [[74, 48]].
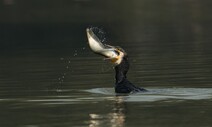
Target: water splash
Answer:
[[68, 64], [75, 53], [100, 33]]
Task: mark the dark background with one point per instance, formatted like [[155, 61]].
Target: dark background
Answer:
[[47, 68], [62, 23], [168, 41]]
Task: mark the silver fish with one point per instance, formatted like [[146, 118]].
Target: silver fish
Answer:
[[98, 47]]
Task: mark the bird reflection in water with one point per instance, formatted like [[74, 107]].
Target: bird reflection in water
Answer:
[[116, 118]]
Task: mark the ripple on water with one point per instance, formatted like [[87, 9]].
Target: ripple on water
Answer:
[[156, 94], [107, 94]]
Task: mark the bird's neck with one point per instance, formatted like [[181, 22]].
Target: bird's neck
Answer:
[[121, 70]]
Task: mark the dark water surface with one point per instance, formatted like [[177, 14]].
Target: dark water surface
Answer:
[[50, 88], [49, 77]]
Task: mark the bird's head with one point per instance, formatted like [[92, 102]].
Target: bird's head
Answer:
[[120, 55], [115, 54]]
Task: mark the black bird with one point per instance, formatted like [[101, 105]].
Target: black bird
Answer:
[[118, 57]]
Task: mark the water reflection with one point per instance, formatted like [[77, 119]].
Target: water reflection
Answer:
[[116, 118]]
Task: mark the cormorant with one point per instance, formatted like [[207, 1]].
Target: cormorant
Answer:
[[118, 57]]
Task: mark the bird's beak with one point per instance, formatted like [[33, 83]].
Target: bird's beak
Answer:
[[110, 52]]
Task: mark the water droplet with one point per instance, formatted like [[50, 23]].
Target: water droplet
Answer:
[[58, 90], [75, 54]]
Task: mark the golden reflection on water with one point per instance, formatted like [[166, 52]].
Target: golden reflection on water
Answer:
[[116, 118]]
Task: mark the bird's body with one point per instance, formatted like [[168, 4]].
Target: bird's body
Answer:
[[123, 85], [120, 59]]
